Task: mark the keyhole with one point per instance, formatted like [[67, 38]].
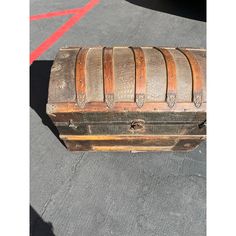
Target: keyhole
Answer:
[[137, 125]]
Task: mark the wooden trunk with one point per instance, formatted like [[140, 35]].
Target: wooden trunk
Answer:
[[129, 98]]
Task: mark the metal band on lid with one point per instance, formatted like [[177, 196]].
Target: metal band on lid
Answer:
[[171, 77]]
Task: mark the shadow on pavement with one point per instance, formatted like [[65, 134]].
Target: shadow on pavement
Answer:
[[39, 80], [38, 227], [193, 9]]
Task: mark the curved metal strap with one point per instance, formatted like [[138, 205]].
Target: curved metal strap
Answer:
[[196, 75], [171, 77], [80, 77], [108, 77], [140, 76]]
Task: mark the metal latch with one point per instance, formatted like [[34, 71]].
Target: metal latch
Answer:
[[72, 125], [204, 123], [137, 125]]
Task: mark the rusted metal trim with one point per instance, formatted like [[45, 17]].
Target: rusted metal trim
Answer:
[[130, 137], [130, 148], [108, 77], [171, 77], [196, 75], [80, 74], [140, 76], [125, 106]]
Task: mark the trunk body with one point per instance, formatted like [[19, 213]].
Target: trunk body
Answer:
[[129, 98]]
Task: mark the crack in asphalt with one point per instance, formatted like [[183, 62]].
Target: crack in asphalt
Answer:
[[67, 181]]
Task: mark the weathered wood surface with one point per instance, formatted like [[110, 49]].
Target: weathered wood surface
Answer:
[[168, 143], [80, 79], [126, 129], [139, 75], [200, 56], [105, 117], [183, 76], [103, 91], [62, 78], [197, 76]]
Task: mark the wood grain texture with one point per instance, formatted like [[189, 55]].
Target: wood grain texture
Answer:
[[186, 144], [184, 83], [106, 117], [130, 137], [62, 77], [109, 85], [75, 146], [131, 99], [131, 148], [80, 77], [200, 55], [170, 144], [124, 107], [171, 77], [116, 128], [165, 74]]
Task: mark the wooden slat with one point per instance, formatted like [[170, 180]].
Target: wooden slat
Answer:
[[200, 55], [128, 137], [133, 145], [187, 144], [140, 76], [121, 107], [110, 117], [80, 77], [130, 142], [113, 128], [95, 146], [184, 84], [171, 77], [197, 77], [130, 148], [62, 77], [108, 77]]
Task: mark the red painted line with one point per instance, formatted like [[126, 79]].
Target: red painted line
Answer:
[[55, 13], [45, 45]]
